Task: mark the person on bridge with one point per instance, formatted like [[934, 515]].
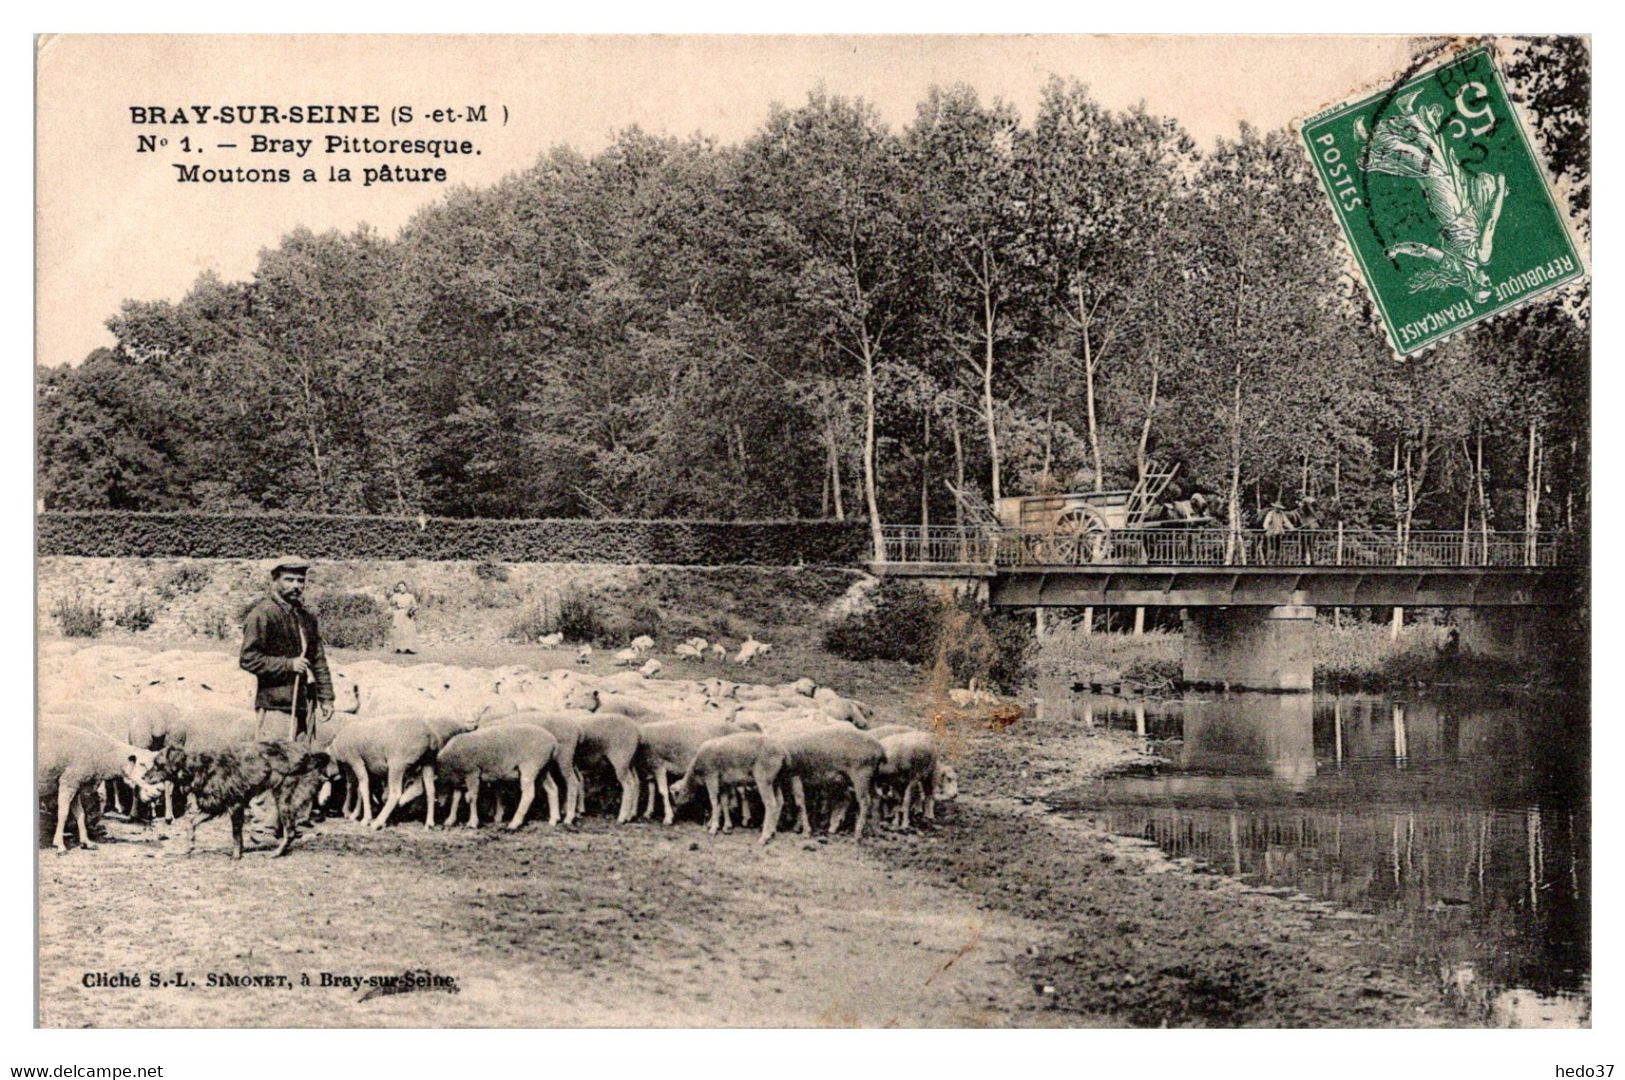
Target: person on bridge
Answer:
[[1277, 522], [282, 648]]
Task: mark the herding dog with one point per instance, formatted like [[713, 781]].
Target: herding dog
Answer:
[[226, 781]]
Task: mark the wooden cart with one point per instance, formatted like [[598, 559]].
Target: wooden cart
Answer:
[[1073, 528]]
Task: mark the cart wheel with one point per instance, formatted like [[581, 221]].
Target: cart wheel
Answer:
[[1081, 536]]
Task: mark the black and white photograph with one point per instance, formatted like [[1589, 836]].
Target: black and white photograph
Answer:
[[819, 531]]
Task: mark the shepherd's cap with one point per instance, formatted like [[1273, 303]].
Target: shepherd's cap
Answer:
[[287, 562]]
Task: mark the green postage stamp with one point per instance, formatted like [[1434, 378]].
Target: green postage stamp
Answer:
[[1448, 212]]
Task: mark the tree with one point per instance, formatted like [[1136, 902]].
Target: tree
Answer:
[[1266, 280], [828, 180], [1105, 208], [966, 161]]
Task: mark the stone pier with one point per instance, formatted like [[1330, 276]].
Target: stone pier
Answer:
[[1250, 648]]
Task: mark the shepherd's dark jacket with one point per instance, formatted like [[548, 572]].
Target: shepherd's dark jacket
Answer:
[[271, 643]]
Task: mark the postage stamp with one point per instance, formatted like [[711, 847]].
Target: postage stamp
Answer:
[[1447, 209]]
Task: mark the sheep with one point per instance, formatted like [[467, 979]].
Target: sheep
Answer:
[[213, 728], [643, 643], [685, 651], [717, 652], [698, 644], [496, 753], [834, 755], [566, 730], [884, 731], [840, 708], [392, 745], [911, 759], [73, 759], [784, 722], [735, 759], [651, 669], [631, 707], [626, 657], [571, 696], [584, 655], [720, 688], [803, 686], [671, 745], [551, 641], [614, 740], [750, 649], [143, 724]]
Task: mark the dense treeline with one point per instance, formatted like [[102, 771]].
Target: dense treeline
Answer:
[[831, 319]]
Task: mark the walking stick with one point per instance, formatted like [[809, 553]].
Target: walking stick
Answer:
[[293, 711]]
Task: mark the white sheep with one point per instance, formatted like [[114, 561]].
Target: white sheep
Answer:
[[497, 753], [651, 669], [643, 643], [850, 710], [566, 728], [836, 755], [627, 657], [717, 652], [749, 650], [685, 651], [392, 745], [735, 759], [668, 747], [612, 739], [584, 655], [72, 760], [551, 641], [716, 689], [911, 759]]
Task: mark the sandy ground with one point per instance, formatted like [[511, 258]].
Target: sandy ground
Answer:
[[1002, 913], [602, 925]]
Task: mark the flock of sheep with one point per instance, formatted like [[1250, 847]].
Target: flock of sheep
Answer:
[[695, 649], [404, 732]]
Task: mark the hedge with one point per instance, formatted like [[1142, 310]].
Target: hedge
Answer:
[[103, 534]]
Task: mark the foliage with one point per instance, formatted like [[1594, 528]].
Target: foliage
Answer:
[[643, 618], [913, 625], [351, 620], [77, 618], [900, 624], [185, 580], [579, 618], [1066, 651], [827, 320], [486, 570], [532, 624], [135, 617]]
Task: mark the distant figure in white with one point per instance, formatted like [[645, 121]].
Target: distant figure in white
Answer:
[[403, 619]]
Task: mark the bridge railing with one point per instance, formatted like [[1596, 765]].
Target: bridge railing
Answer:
[[948, 544], [939, 544]]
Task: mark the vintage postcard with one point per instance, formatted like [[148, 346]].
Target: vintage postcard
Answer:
[[813, 532]]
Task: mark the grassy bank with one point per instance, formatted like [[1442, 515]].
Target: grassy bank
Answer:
[[458, 603], [1351, 656]]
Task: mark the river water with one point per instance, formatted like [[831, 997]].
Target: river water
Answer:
[[1460, 820]]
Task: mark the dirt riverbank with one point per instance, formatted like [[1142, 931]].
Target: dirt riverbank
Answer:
[[1000, 914]]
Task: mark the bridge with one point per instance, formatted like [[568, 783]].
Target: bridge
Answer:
[[1248, 597]]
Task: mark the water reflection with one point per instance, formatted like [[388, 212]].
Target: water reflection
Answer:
[[1461, 821]]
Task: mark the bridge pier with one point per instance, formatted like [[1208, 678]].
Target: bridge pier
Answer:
[[1252, 648]]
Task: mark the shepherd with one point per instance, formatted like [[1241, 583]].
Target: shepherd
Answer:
[[283, 650]]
